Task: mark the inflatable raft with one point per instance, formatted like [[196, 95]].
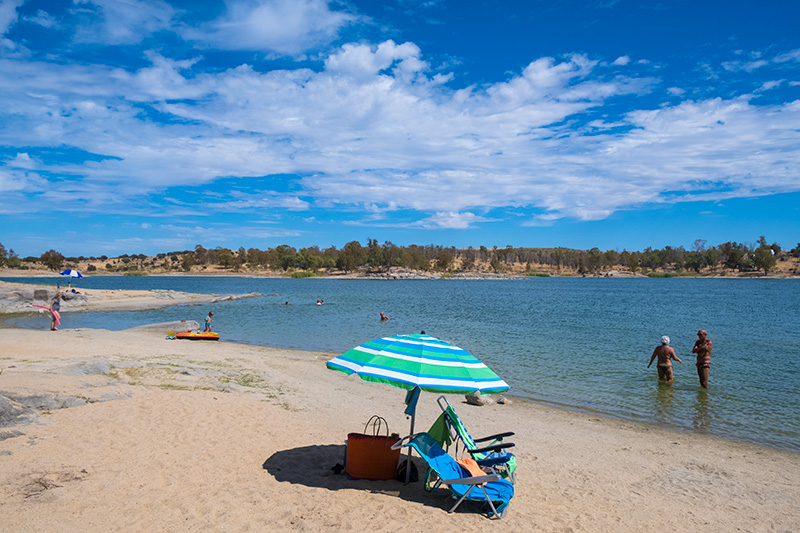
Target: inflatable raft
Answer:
[[198, 335]]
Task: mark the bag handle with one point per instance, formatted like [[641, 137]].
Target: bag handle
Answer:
[[378, 423]]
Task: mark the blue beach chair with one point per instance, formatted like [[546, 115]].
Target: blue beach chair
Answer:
[[493, 491], [489, 451]]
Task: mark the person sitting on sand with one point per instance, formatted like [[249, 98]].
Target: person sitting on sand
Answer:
[[383, 317], [664, 365], [703, 348], [208, 321]]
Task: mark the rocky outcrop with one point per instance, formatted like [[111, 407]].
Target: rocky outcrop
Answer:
[[400, 274], [18, 298], [230, 297], [476, 399]]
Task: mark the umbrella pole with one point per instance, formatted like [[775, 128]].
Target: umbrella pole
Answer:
[[408, 459]]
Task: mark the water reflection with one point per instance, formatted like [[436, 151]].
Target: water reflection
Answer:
[[664, 402], [703, 411]]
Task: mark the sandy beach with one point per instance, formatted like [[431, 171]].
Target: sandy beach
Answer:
[[135, 432]]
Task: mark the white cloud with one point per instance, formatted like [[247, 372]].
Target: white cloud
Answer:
[[450, 220], [768, 85], [43, 19], [121, 22], [8, 14], [376, 130], [793, 55], [622, 61], [362, 61], [287, 27]]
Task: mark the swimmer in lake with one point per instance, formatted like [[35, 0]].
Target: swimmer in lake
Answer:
[[384, 317], [665, 355]]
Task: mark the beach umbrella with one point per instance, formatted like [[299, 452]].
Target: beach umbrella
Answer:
[[72, 274], [418, 362]]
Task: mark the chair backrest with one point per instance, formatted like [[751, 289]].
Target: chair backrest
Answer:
[[437, 458], [458, 427]]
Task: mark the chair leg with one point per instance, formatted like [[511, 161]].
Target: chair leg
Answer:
[[461, 499], [489, 501]]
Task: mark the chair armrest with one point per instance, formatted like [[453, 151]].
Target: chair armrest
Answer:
[[472, 480], [499, 436], [401, 442], [495, 448], [494, 460]]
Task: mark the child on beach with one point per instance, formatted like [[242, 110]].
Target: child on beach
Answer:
[[55, 308], [664, 365], [208, 321]]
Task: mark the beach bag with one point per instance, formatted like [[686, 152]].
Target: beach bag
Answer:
[[369, 455], [401, 472]]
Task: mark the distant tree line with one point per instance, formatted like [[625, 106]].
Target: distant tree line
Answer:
[[375, 256]]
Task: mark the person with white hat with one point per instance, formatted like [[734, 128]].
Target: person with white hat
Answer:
[[665, 354]]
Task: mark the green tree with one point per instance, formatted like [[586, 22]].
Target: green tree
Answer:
[[391, 255], [444, 260], [712, 258], [696, 261], [12, 261], [468, 262], [374, 254], [497, 266], [52, 260], [187, 261], [200, 255], [633, 262], [733, 254], [594, 258], [764, 256], [225, 257], [351, 257]]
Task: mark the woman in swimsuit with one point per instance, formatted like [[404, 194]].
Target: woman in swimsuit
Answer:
[[665, 354], [703, 348]]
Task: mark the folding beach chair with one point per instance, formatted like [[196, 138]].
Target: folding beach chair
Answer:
[[490, 454], [493, 491]]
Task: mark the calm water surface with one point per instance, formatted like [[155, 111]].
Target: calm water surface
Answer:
[[578, 343]]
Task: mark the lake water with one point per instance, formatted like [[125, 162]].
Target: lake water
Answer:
[[576, 343]]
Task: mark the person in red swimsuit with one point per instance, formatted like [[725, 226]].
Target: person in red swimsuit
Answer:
[[703, 348]]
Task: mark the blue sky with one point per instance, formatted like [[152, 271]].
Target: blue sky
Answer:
[[151, 126]]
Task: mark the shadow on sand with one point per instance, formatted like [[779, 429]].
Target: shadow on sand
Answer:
[[312, 466]]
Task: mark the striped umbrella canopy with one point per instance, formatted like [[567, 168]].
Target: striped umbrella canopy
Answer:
[[418, 362], [407, 361], [72, 274]]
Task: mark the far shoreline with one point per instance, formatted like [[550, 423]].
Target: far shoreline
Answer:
[[418, 276]]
